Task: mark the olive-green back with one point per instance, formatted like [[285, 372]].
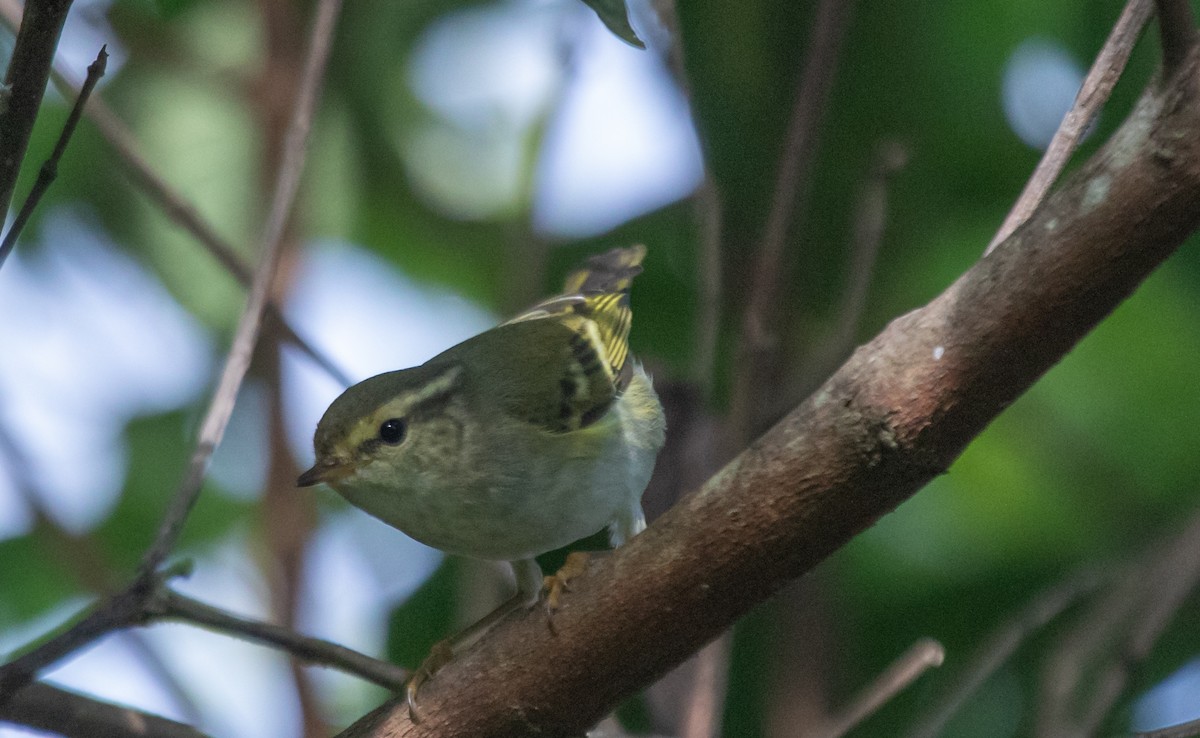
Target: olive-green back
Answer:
[[562, 363]]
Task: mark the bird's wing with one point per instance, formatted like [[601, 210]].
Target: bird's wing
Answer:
[[563, 362]]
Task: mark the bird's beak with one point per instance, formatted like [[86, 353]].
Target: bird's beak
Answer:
[[324, 471]]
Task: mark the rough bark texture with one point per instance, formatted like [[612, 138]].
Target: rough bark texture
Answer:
[[894, 416]]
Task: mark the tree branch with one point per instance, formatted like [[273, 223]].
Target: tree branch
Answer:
[[173, 204], [1177, 27], [893, 417], [1165, 582], [287, 184], [922, 656], [134, 603], [28, 70], [174, 606], [49, 171], [1000, 646], [756, 340], [1093, 93], [75, 715]]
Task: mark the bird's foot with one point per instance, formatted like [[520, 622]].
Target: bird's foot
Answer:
[[439, 656], [559, 582]]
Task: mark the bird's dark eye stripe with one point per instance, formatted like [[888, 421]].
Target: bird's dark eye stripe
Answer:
[[392, 431]]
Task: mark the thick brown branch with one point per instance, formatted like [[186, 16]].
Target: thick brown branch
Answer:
[[900, 410]]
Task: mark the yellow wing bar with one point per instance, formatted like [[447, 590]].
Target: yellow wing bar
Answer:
[[598, 293]]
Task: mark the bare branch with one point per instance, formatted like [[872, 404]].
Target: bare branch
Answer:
[[173, 204], [287, 184], [870, 220], [1001, 645], [74, 715], [174, 606], [141, 606], [892, 418], [49, 170], [792, 182], [41, 24], [134, 604], [704, 704], [1090, 667], [707, 205], [83, 557], [1177, 27], [125, 609], [1096, 88], [1166, 583], [919, 658]]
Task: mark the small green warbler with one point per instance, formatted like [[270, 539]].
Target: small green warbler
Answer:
[[518, 441]]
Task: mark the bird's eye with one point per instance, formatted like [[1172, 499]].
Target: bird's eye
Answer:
[[392, 431]]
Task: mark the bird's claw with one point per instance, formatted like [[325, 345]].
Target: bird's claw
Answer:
[[439, 656], [557, 583]]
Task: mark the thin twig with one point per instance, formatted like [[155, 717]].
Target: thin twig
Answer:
[[1115, 635], [1073, 659], [286, 186], [870, 220], [37, 38], [919, 658], [177, 208], [172, 203], [704, 704], [174, 606], [1177, 27], [74, 715], [869, 223], [1001, 645], [150, 655], [49, 170], [792, 182], [1096, 88], [134, 603], [1182, 730], [1171, 577], [122, 610], [82, 556], [707, 206], [157, 602]]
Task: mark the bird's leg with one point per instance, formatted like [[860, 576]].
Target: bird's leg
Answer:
[[623, 527], [529, 587], [560, 581]]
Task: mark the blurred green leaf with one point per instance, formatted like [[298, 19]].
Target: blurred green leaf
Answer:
[[159, 447], [426, 617], [615, 15], [32, 580]]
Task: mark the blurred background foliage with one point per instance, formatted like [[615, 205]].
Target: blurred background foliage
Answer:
[[465, 155]]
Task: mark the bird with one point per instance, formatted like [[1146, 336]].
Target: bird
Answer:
[[518, 441]]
